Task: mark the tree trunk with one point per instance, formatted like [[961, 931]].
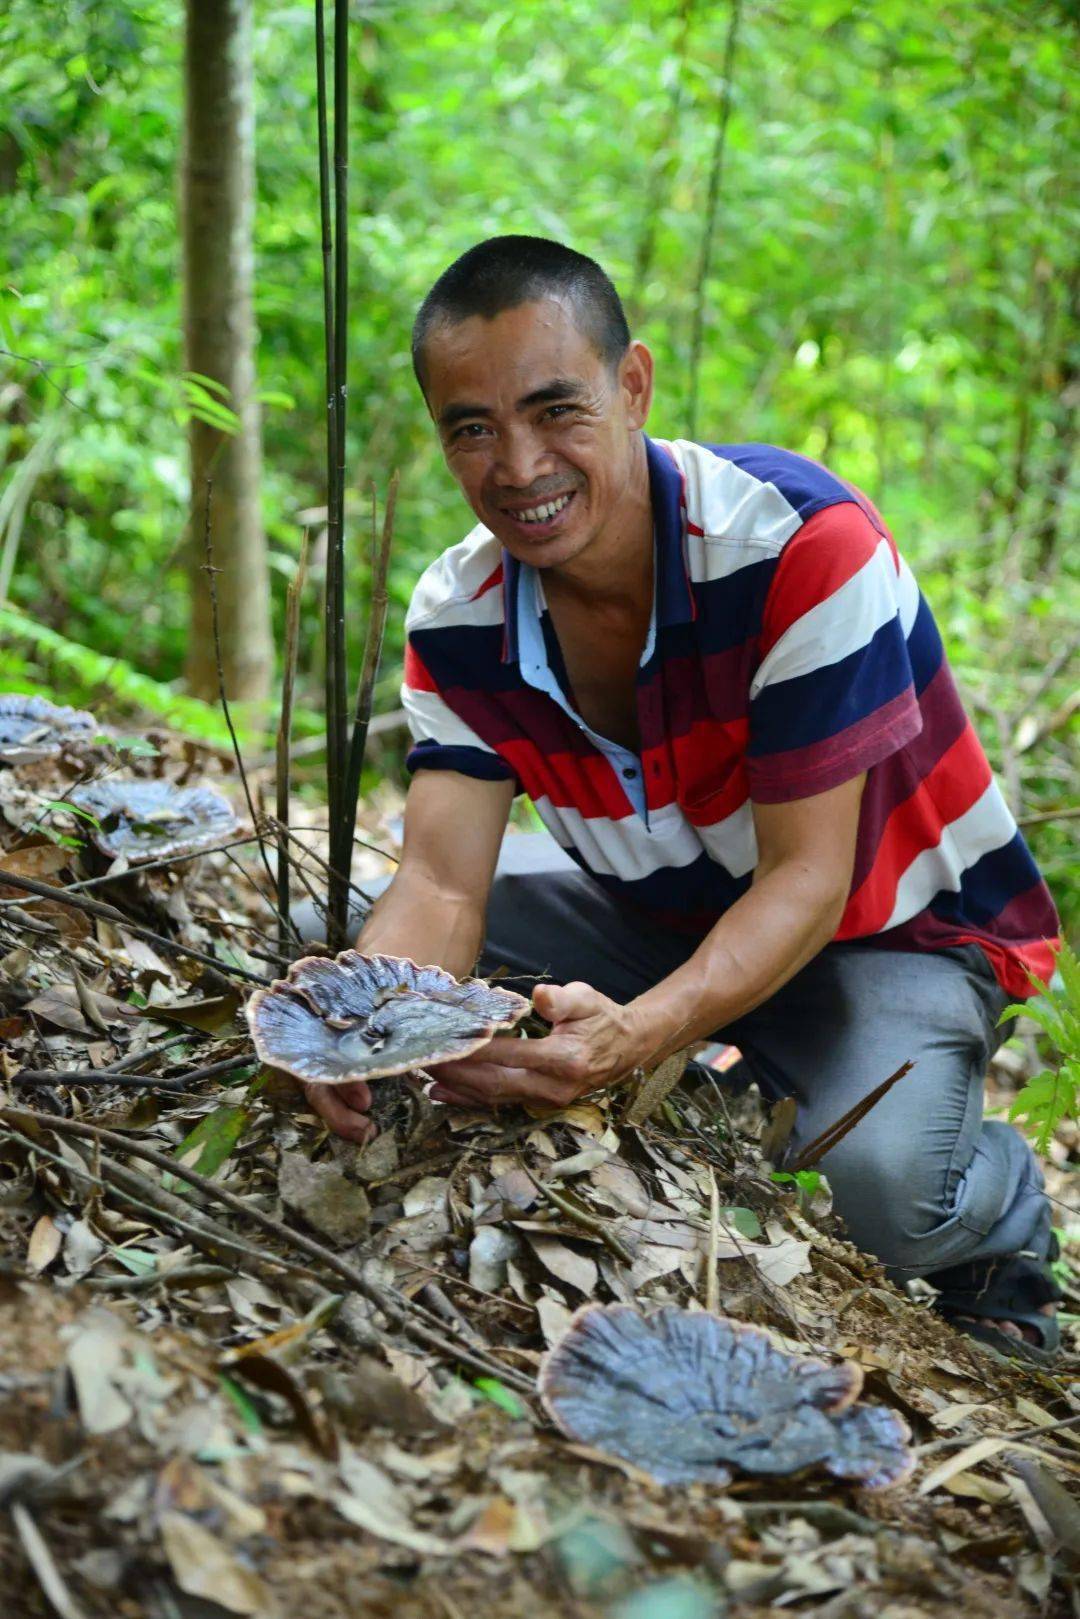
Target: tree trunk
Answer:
[[220, 338]]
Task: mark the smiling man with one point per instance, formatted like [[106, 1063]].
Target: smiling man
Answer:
[[716, 679]]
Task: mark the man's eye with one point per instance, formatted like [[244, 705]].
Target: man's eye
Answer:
[[555, 411], [470, 430]]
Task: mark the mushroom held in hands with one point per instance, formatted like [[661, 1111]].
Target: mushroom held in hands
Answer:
[[32, 728], [153, 820], [687, 1396], [364, 1017]]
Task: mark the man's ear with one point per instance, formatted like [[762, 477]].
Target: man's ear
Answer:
[[636, 382]]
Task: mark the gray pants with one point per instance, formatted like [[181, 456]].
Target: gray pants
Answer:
[[923, 1181]]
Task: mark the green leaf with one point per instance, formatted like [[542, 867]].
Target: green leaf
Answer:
[[245, 1407], [137, 1260], [499, 1395], [744, 1221], [216, 1135]]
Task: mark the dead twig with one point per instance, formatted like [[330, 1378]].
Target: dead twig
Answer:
[[109, 913], [41, 1561], [410, 1317], [365, 691], [815, 1150], [588, 1222], [144, 1194], [211, 576], [160, 865], [116, 1076], [179, 1276], [284, 742]]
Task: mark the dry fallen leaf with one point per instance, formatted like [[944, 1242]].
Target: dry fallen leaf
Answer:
[[203, 1566], [45, 1243]]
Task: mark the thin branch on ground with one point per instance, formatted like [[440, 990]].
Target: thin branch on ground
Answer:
[[284, 743], [109, 913], [211, 573], [409, 1316]]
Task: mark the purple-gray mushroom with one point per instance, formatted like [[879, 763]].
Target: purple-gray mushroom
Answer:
[[153, 820], [31, 728], [365, 1017], [688, 1397]]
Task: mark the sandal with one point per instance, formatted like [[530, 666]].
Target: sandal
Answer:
[[1010, 1289]]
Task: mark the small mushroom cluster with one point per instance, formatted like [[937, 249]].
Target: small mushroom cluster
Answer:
[[364, 1017], [688, 1396], [31, 728], [153, 820]]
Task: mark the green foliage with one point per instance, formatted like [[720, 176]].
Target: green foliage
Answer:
[[807, 1180], [214, 1137], [892, 291], [1052, 1096], [500, 1395]]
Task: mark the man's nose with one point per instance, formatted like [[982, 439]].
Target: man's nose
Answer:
[[520, 457]]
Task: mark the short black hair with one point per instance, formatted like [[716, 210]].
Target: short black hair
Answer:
[[507, 271]]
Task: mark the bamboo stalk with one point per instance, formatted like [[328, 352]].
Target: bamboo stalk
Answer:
[[715, 174], [340, 833], [333, 758], [284, 738]]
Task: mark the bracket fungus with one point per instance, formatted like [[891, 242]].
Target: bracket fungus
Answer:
[[689, 1396], [364, 1017], [32, 728], [153, 820]]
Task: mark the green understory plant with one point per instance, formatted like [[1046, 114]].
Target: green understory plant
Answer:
[[1051, 1097]]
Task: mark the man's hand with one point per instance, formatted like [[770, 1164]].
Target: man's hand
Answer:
[[594, 1042], [344, 1108]]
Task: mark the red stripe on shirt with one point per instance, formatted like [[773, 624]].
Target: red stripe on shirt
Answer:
[[956, 782], [810, 570], [416, 673], [582, 782]]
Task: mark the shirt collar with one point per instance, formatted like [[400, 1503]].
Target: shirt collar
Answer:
[[673, 600]]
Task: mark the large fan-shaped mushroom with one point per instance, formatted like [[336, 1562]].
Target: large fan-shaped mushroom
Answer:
[[32, 728], [153, 820], [688, 1396], [363, 1017]]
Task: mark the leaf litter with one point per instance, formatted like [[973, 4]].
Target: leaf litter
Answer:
[[247, 1368]]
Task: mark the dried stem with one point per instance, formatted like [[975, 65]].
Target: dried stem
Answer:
[[284, 738], [404, 1312], [365, 691], [109, 913]]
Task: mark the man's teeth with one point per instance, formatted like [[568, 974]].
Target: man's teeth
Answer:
[[542, 514]]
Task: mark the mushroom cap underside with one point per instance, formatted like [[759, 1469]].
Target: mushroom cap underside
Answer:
[[686, 1395], [367, 1017]]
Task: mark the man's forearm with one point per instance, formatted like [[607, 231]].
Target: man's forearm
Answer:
[[416, 918], [779, 925]]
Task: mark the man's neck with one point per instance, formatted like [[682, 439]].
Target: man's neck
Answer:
[[616, 570]]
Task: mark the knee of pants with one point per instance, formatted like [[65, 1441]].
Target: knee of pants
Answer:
[[881, 1192]]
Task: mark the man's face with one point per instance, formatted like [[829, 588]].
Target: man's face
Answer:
[[537, 429]]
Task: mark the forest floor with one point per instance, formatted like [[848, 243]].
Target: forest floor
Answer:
[[295, 1376]]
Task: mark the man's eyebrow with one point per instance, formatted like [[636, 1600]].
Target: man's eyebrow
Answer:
[[458, 413], [557, 388]]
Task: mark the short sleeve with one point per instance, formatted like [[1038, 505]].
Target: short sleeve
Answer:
[[833, 692], [442, 740]]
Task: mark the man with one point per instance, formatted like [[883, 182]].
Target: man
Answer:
[[719, 684]]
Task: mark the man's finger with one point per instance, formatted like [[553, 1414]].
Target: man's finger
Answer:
[[344, 1120]]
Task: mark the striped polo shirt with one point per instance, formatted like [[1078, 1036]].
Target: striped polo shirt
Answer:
[[790, 649]]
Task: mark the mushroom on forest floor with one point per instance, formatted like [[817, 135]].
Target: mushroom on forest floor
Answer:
[[688, 1396], [153, 820], [31, 728], [365, 1017]]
